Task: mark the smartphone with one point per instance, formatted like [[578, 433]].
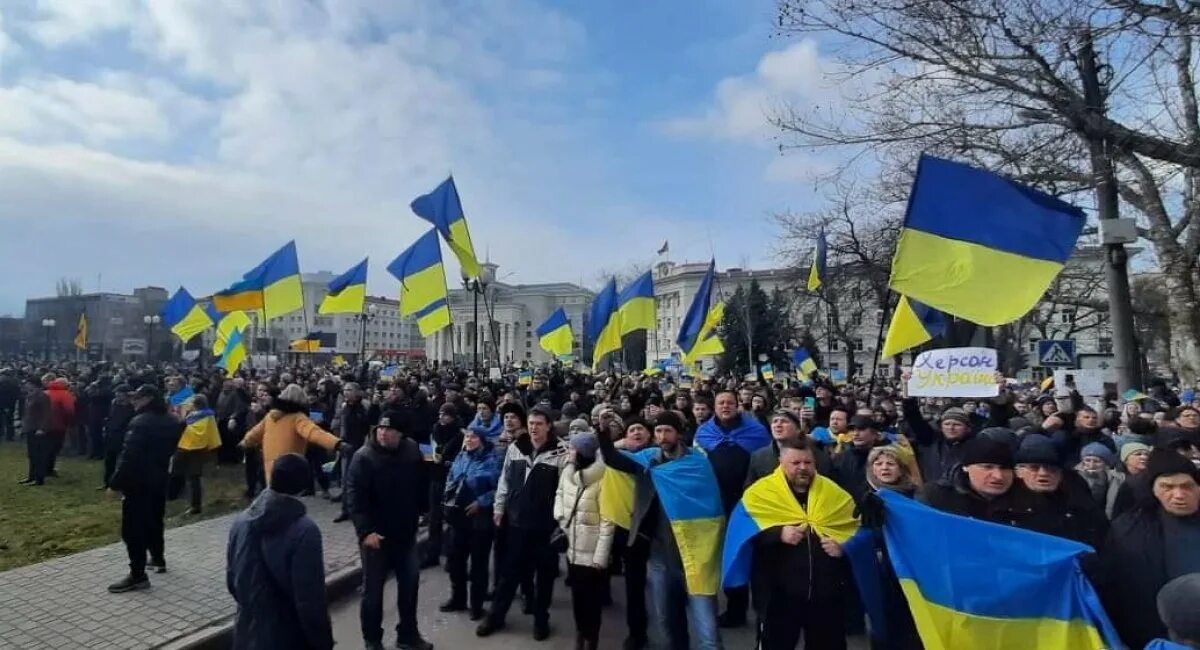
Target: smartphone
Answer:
[[810, 402]]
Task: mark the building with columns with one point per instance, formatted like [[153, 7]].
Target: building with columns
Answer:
[[515, 311]]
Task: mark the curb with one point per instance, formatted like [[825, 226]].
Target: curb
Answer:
[[218, 634]]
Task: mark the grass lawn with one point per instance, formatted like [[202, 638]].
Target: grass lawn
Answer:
[[68, 514]]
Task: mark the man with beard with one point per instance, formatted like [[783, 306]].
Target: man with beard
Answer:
[[141, 477]]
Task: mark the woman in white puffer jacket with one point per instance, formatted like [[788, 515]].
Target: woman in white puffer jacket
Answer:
[[589, 536]]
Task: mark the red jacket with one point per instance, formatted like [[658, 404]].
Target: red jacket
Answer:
[[62, 406]]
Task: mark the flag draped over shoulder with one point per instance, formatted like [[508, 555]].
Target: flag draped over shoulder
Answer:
[[749, 434], [554, 335], [444, 210], [768, 503], [185, 317], [604, 323], [979, 246], [687, 490], [912, 324], [636, 305], [1012, 589], [201, 433], [347, 292], [81, 333], [272, 287], [423, 289]]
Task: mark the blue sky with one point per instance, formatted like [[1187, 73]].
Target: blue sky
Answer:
[[180, 143]]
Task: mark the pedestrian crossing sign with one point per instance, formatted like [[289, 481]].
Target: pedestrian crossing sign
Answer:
[[1056, 353]]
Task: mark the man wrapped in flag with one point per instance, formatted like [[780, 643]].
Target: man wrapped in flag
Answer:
[[785, 539], [675, 486]]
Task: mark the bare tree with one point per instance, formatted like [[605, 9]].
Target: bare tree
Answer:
[[66, 287], [999, 83]]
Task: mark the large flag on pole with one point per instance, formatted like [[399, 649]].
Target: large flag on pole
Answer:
[[636, 305], [979, 246], [234, 353], [423, 283], [272, 287], [698, 334], [554, 335], [816, 273], [604, 323], [234, 321], [347, 292], [81, 332], [185, 317], [912, 324], [444, 210]]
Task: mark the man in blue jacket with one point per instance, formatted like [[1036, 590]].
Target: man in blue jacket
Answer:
[[275, 567]]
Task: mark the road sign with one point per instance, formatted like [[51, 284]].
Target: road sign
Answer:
[[1056, 353]]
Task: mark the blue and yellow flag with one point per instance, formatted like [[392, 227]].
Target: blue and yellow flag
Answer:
[[347, 292], [81, 332], [803, 364], [423, 289], [311, 342], [185, 317], [709, 342], [232, 322], [444, 210], [181, 396], [272, 287], [687, 490], [636, 305], [1013, 590], [816, 273], [692, 329], [201, 433], [554, 335], [234, 353], [768, 503], [912, 324], [604, 323], [979, 246]]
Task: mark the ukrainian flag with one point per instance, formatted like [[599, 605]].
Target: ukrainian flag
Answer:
[[201, 433], [913, 323], [636, 305], [803, 364], [1014, 590], [693, 331], [604, 323], [443, 209], [554, 335], [184, 316], [768, 503], [234, 353], [232, 322], [709, 342], [423, 283], [347, 292], [687, 490], [310, 343], [979, 246], [273, 287], [817, 271]]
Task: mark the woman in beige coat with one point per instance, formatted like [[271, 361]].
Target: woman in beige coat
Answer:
[[589, 537], [286, 429]]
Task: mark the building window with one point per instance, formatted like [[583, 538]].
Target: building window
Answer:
[[1067, 316], [858, 369], [528, 323], [808, 320], [1033, 345], [834, 345], [1104, 345], [833, 365], [858, 345], [856, 319], [528, 355], [883, 370], [528, 344]]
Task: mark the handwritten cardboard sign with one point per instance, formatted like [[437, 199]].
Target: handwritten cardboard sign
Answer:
[[954, 372]]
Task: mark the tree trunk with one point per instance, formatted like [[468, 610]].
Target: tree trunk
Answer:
[[1184, 320]]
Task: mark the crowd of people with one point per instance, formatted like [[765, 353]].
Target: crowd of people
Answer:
[[509, 480]]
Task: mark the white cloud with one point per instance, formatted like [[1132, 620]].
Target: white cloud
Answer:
[[796, 76]]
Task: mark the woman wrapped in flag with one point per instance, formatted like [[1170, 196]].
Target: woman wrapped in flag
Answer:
[[196, 447]]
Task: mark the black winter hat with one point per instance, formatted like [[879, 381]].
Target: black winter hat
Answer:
[[513, 407], [291, 475], [979, 451], [1177, 606], [863, 422], [1164, 462], [670, 419], [1002, 434], [1037, 449]]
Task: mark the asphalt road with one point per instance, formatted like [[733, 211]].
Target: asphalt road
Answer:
[[456, 631]]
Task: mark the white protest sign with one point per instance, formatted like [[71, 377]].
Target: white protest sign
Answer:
[[1089, 383], [954, 372], [494, 373]]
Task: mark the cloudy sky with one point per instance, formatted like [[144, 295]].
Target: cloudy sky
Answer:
[[180, 142]]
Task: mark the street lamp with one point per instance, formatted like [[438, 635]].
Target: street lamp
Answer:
[[151, 322], [48, 327], [477, 287], [363, 318]]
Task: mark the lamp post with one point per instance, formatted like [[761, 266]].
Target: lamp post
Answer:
[[151, 322], [48, 327], [477, 287], [363, 318]]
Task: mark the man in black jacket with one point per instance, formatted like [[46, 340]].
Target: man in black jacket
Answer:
[[141, 477], [115, 426], [1056, 502], [383, 490], [99, 400], [10, 395], [35, 426], [850, 466], [799, 580], [446, 440], [355, 428]]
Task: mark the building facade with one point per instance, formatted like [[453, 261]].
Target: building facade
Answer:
[[514, 311], [116, 324]]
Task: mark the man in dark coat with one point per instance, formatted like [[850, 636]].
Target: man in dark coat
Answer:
[[446, 440], [982, 488], [141, 477], [35, 427], [785, 427], [355, 428], [850, 466], [119, 415], [384, 490], [99, 400], [233, 406], [1056, 502], [10, 395], [1150, 545], [275, 567]]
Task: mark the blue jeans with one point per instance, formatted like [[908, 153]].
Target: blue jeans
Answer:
[[673, 608], [399, 558]]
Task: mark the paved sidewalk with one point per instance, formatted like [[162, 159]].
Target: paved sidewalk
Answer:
[[64, 603]]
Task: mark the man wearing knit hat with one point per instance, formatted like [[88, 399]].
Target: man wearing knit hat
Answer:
[[939, 452], [980, 487], [1178, 610], [1153, 543], [1097, 468], [1054, 502], [850, 466]]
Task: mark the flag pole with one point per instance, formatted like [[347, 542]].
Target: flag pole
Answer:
[[887, 309]]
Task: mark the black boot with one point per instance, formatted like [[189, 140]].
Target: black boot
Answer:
[[457, 603], [129, 583], [477, 613], [489, 627]]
